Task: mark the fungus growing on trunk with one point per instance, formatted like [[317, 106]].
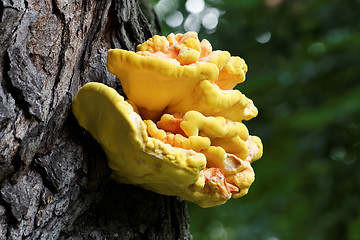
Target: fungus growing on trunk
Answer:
[[180, 132]]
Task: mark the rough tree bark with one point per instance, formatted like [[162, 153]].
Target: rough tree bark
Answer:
[[54, 177]]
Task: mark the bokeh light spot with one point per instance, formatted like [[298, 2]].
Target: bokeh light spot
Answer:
[[175, 19], [194, 6], [192, 23], [210, 18], [316, 49], [264, 37], [164, 7], [340, 154]]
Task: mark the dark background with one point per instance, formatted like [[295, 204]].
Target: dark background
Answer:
[[304, 61]]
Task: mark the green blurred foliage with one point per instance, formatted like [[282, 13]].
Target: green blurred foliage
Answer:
[[304, 61]]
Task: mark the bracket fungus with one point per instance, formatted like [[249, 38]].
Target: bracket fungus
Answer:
[[180, 131]]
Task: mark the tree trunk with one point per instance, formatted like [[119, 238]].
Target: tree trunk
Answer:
[[54, 177]]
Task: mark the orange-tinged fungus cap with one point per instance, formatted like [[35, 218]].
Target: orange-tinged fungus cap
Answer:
[[184, 73], [181, 127], [231, 74]]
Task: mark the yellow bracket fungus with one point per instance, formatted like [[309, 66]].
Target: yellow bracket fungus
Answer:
[[180, 132]]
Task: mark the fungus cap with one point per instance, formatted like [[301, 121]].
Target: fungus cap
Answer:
[[137, 158], [180, 131], [182, 75]]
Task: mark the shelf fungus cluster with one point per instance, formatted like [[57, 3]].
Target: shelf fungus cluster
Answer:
[[180, 131]]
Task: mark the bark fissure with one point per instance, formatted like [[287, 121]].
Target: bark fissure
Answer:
[[90, 36], [11, 219], [15, 92], [44, 175], [65, 40]]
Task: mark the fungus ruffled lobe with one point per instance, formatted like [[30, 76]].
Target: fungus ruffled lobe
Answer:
[[180, 132]]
